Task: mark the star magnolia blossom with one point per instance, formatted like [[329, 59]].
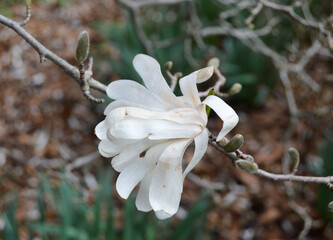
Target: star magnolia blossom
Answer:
[[147, 130]]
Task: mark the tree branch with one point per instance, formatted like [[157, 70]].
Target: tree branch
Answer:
[[43, 52], [234, 156]]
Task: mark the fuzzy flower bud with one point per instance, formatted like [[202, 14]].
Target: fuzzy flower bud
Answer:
[[247, 166], [168, 65], [82, 49], [235, 88], [214, 62], [294, 158], [235, 143]]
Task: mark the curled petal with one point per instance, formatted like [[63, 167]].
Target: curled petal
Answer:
[[204, 74], [121, 103], [225, 112], [166, 186], [119, 141], [188, 84], [101, 131], [153, 129], [142, 199], [130, 177], [134, 92], [150, 72], [131, 152], [109, 149], [114, 116], [162, 215], [178, 115], [201, 143], [134, 173]]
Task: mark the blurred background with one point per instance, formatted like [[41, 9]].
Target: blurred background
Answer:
[[55, 185]]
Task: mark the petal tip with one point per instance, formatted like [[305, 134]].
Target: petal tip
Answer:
[[204, 74]]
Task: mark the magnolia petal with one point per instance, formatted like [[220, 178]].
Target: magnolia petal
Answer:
[[134, 92], [185, 116], [188, 84], [201, 143], [119, 141], [204, 74], [134, 173], [153, 129], [131, 176], [114, 116], [179, 115], [120, 103], [165, 189], [225, 112], [162, 215], [166, 186], [142, 199], [202, 111], [150, 72], [131, 152], [121, 167], [108, 149], [100, 130]]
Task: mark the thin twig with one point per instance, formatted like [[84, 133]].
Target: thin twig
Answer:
[[294, 178], [305, 217], [215, 186], [27, 16], [290, 10], [254, 12], [69, 69], [81, 161]]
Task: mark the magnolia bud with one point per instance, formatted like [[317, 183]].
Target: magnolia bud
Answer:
[[82, 49], [294, 157], [330, 206], [235, 88], [168, 65], [215, 62], [234, 143], [28, 2], [247, 166]]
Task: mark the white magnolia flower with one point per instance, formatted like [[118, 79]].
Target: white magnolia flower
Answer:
[[147, 130]]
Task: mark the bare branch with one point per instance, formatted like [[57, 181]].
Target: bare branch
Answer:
[[306, 218], [71, 70], [294, 178], [234, 156], [239, 33], [254, 13], [290, 10]]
